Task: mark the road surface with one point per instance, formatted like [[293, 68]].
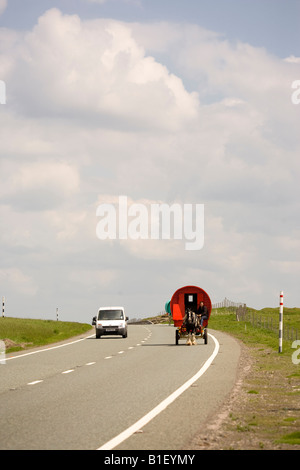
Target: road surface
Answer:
[[86, 394]]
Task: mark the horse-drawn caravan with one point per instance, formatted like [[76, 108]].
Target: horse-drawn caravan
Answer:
[[190, 307]]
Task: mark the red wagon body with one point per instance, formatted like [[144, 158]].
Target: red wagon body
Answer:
[[188, 297]]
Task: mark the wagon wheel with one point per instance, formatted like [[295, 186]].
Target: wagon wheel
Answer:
[[177, 336]]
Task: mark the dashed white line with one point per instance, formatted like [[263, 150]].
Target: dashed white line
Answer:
[[66, 344], [35, 382]]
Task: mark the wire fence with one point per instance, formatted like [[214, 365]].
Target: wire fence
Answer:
[[266, 322], [227, 303]]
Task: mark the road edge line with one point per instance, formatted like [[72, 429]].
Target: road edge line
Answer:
[[47, 349], [111, 444]]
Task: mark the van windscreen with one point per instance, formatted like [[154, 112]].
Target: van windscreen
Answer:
[[110, 315]]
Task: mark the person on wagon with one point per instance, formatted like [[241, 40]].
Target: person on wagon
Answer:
[[202, 312]]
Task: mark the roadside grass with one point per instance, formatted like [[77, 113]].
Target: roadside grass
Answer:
[[293, 438], [224, 319], [269, 414], [24, 333]]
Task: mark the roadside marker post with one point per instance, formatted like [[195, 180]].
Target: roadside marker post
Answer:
[[280, 321], [3, 306]]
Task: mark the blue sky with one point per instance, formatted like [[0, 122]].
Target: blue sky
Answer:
[[273, 24], [162, 102]]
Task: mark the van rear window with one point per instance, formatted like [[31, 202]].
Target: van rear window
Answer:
[[110, 315]]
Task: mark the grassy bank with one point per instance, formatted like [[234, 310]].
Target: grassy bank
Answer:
[[266, 412], [23, 333], [257, 329]]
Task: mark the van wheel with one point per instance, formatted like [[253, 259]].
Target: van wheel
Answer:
[[98, 335], [125, 336]]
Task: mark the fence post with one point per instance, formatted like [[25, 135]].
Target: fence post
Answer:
[[280, 321]]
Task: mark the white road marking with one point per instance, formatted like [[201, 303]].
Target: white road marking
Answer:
[[90, 363], [159, 408], [35, 382], [68, 371], [53, 347], [120, 352], [108, 357], [48, 349]]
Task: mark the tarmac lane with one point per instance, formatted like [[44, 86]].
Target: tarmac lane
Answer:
[[85, 394]]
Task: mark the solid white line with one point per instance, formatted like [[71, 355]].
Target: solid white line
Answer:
[[159, 408], [48, 349], [35, 382]]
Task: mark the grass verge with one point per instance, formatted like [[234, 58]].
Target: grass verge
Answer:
[[24, 333], [265, 414]]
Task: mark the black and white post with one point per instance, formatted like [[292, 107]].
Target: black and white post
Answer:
[[56, 314], [3, 306], [280, 321]]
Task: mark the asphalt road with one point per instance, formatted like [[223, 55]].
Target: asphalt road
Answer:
[[84, 394]]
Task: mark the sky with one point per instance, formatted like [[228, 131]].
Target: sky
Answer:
[[164, 102]]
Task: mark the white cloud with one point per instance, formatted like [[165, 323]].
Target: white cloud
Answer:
[[90, 280], [97, 1], [158, 112], [95, 69], [101, 2], [292, 59], [38, 185], [16, 282]]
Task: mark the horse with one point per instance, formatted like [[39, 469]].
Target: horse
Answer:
[[191, 322]]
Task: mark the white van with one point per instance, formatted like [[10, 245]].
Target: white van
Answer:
[[110, 321]]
